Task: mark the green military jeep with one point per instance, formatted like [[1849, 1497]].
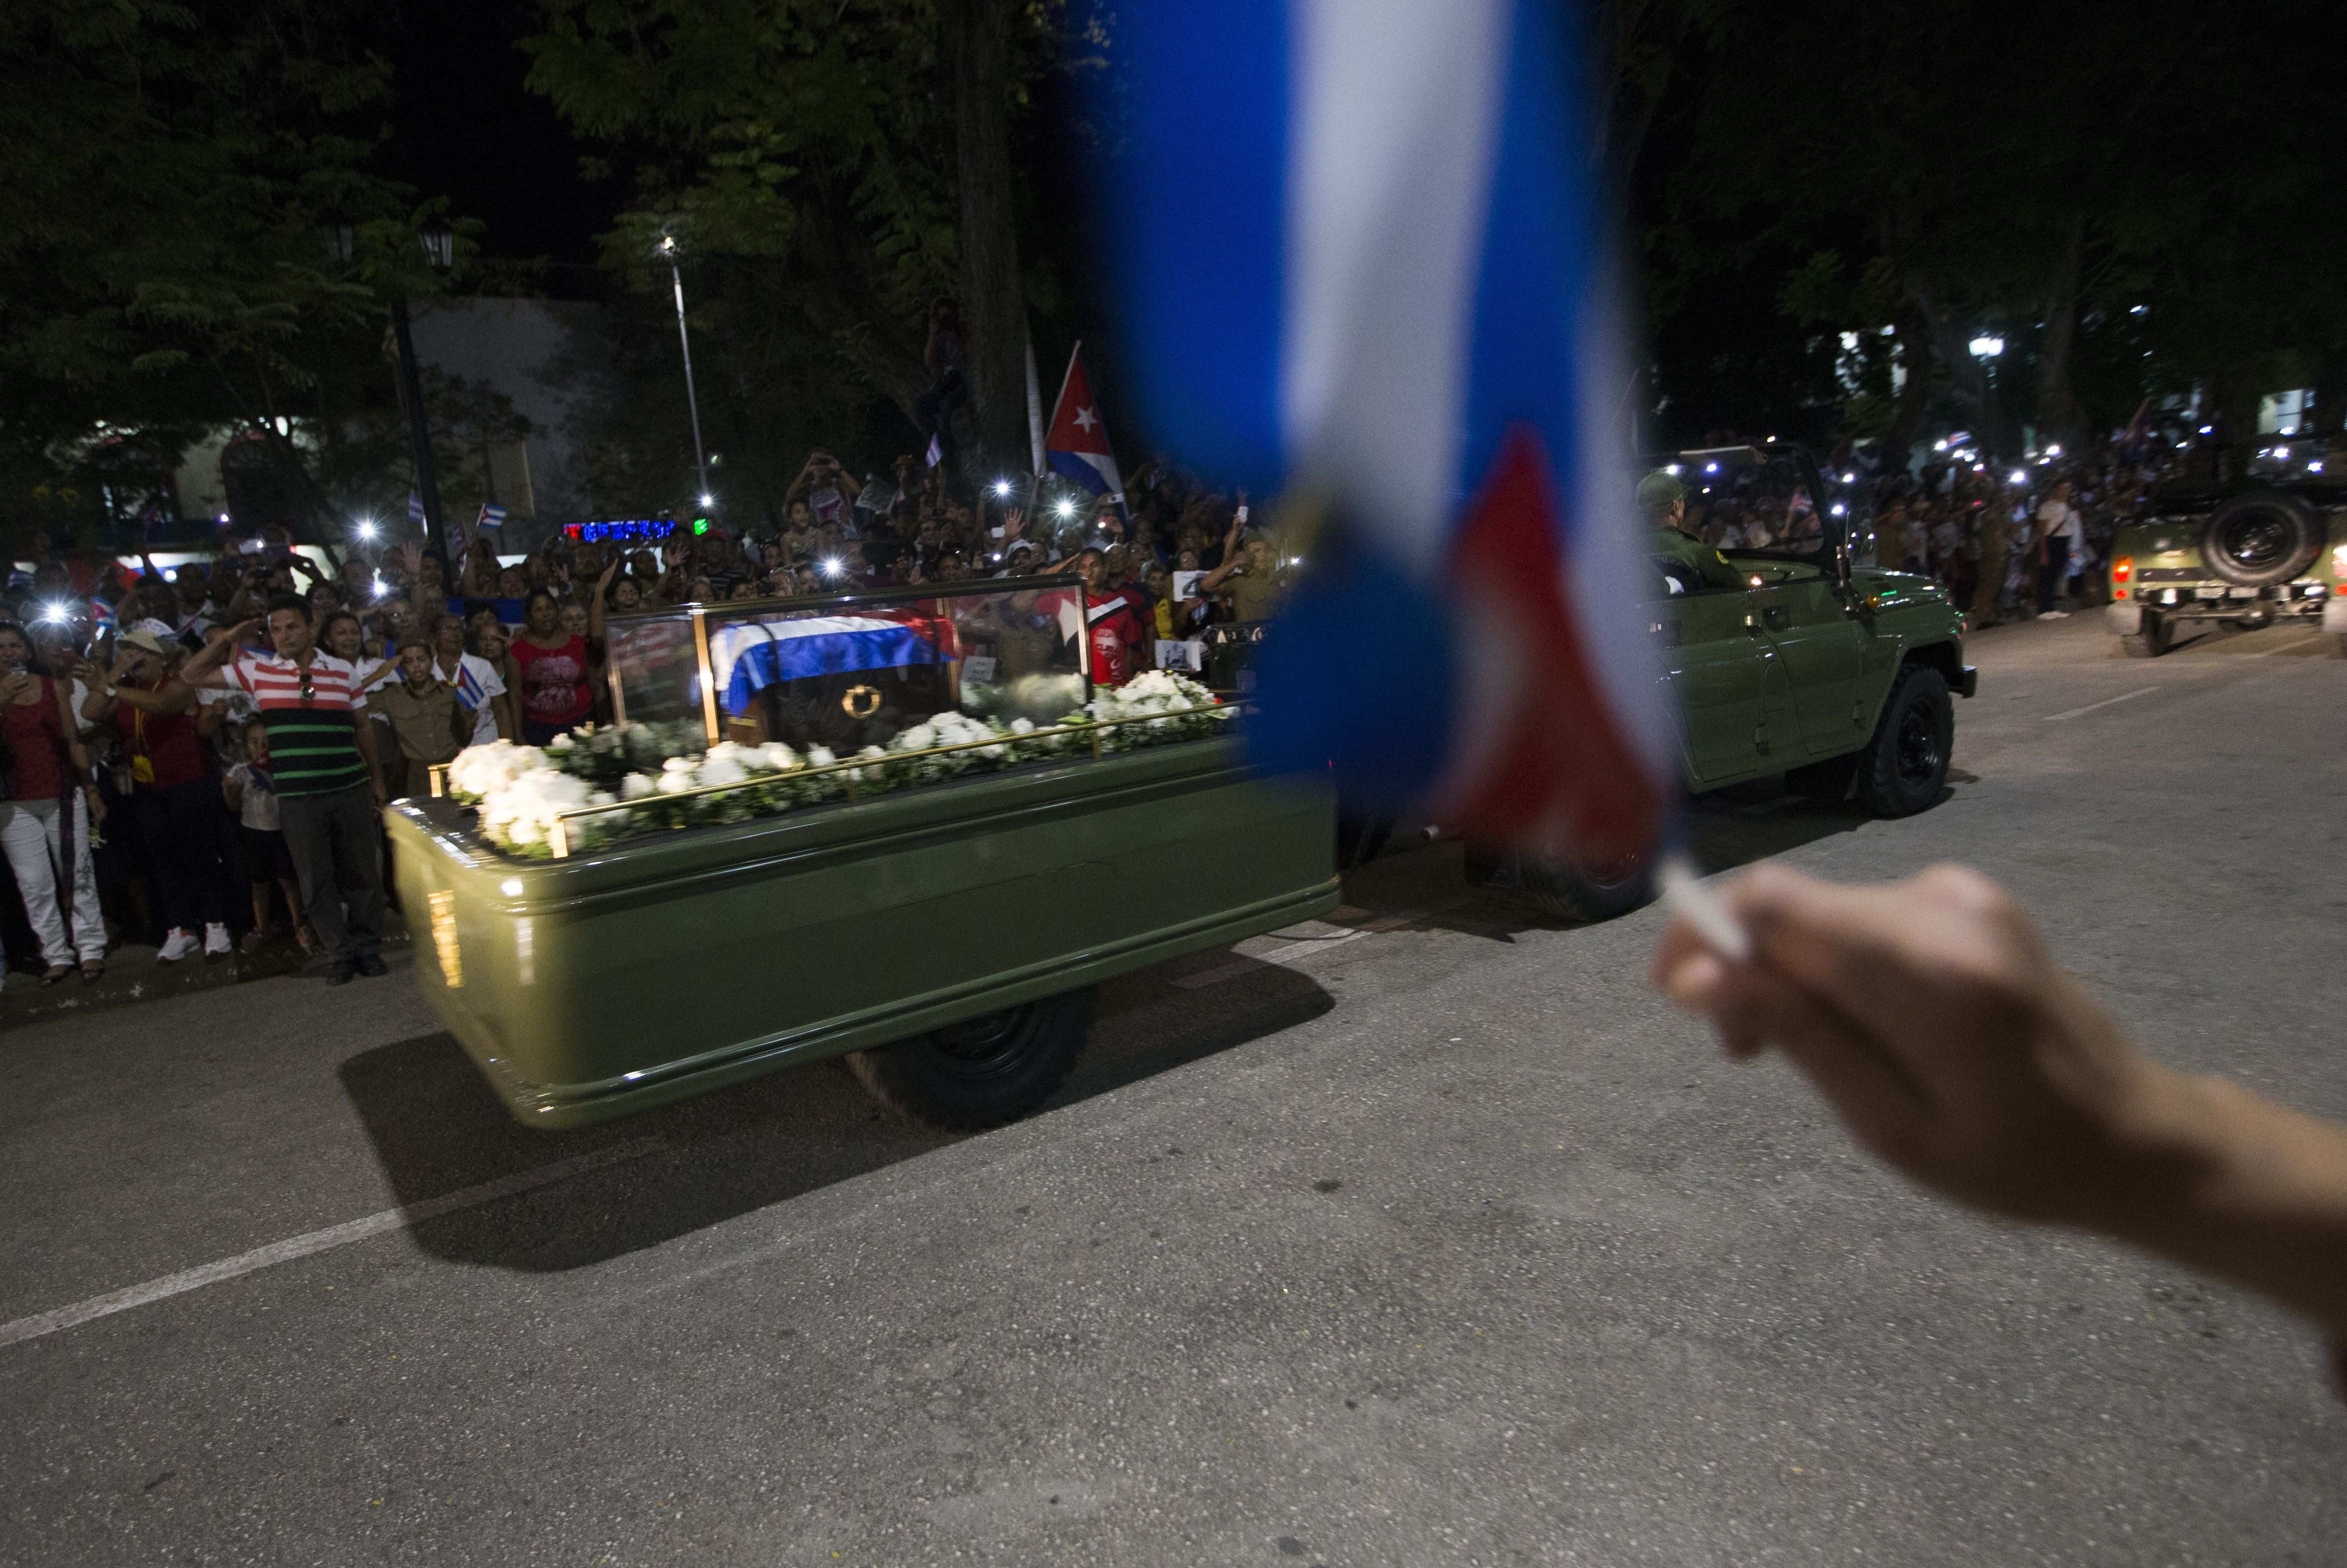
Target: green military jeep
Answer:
[[2271, 546], [1836, 675]]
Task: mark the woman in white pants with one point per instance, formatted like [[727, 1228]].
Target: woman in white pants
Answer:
[[46, 808]]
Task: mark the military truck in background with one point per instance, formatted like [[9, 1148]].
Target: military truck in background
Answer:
[[2269, 546]]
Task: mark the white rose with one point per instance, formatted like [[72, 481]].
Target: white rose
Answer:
[[721, 771], [675, 783], [560, 744], [820, 757], [635, 786]]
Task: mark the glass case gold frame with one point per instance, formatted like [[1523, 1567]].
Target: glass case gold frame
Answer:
[[725, 610]]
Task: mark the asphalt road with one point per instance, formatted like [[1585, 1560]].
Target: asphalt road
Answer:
[[1425, 1237]]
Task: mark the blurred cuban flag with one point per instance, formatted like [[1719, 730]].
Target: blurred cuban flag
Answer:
[[1366, 271]]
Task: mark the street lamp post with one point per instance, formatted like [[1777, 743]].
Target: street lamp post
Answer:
[[667, 251]]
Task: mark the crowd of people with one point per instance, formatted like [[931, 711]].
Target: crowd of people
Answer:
[[2008, 543], [192, 758], [146, 794], [2028, 542]]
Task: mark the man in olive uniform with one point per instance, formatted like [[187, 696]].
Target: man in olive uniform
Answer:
[[1663, 500]]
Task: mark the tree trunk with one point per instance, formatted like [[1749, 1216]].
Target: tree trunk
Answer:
[[2057, 401], [976, 34]]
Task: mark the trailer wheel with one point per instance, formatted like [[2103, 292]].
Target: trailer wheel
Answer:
[[2151, 642], [1563, 889], [983, 1071]]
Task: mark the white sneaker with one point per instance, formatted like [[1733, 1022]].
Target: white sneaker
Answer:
[[182, 943], [215, 940]]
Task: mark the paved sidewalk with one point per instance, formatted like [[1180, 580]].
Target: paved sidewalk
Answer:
[[133, 974]]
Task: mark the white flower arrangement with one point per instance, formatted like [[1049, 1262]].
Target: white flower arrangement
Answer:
[[520, 790], [478, 771]]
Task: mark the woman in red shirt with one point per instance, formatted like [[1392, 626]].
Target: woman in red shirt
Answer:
[[48, 801], [551, 667]]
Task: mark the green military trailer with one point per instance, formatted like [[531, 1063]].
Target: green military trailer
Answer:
[[2267, 546], [898, 826], [1792, 658]]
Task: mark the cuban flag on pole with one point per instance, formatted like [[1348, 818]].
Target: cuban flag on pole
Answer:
[[1076, 447], [1373, 279], [492, 516], [414, 511]]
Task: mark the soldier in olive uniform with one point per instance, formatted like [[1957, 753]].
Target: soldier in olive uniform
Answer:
[[1663, 500]]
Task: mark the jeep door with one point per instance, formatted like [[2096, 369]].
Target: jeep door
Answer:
[[1823, 648], [1725, 674]]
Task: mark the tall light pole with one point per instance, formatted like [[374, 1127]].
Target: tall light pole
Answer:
[[668, 250]]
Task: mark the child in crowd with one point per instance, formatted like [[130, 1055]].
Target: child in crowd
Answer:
[[251, 793], [431, 725]]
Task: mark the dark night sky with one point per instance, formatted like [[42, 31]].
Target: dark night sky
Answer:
[[470, 131]]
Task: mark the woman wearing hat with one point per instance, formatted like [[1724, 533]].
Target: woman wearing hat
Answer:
[[174, 799]]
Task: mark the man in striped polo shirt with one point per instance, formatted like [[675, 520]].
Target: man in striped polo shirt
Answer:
[[329, 785]]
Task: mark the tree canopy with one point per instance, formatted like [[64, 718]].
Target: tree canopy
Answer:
[[193, 230]]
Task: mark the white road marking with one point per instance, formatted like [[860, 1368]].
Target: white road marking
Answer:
[[1303, 948], [285, 1251], [2284, 647], [2073, 712]]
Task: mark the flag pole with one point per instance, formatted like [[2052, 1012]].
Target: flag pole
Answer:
[[1066, 376], [1034, 409]]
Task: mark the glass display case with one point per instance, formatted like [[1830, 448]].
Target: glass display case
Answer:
[[844, 671]]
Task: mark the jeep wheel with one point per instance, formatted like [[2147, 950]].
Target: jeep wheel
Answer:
[[1563, 889], [2151, 642], [2261, 539], [983, 1071], [1907, 766]]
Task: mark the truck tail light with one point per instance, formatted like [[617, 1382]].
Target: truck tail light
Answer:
[[2339, 562], [2122, 569]]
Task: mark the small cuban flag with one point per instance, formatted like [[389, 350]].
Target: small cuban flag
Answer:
[[415, 511], [469, 689], [1371, 278], [1077, 449], [492, 516]]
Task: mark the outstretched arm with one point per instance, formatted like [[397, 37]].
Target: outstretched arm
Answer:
[[1928, 1015]]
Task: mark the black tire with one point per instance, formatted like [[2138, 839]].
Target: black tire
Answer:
[[1906, 766], [1358, 838], [2151, 642], [982, 1072], [1563, 889], [2261, 539]]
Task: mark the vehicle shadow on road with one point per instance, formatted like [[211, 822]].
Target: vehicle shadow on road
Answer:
[[1730, 829], [647, 1179]]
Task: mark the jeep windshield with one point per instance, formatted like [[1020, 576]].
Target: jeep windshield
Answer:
[[1751, 501]]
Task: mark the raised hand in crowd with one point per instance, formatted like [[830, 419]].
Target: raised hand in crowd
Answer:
[[1930, 1016]]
